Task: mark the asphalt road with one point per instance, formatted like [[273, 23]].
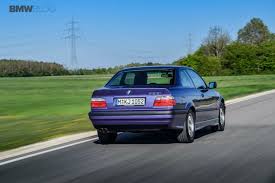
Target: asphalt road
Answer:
[[244, 152]]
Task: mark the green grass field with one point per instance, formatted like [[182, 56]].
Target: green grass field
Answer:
[[39, 108]]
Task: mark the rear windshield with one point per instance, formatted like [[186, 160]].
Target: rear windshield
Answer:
[[144, 77]]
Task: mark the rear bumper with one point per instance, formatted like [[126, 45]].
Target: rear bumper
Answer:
[[137, 120]]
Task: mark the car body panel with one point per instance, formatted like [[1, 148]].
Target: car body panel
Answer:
[[205, 104]]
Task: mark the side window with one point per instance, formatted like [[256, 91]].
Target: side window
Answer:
[[185, 80], [117, 80], [198, 81], [160, 77], [129, 78]]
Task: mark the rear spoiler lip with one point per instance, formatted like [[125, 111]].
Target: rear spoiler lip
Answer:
[[110, 91], [140, 86]]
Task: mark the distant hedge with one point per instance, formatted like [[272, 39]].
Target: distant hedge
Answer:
[[21, 68], [110, 70]]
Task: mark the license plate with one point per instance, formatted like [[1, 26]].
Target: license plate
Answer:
[[130, 102]]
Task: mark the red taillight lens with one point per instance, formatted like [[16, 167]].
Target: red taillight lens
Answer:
[[164, 101], [98, 103]]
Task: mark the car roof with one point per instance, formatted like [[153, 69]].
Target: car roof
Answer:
[[154, 67]]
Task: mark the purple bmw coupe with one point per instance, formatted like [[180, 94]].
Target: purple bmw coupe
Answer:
[[171, 98]]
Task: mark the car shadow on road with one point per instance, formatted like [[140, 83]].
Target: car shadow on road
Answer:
[[154, 137]]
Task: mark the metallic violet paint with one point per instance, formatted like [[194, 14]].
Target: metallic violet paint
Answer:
[[205, 102]]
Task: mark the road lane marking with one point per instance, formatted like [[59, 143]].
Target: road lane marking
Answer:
[[248, 97], [46, 151]]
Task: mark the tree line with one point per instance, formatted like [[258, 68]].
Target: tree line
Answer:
[[252, 53], [109, 70], [22, 68]]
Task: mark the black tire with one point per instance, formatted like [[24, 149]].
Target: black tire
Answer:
[[106, 137], [221, 125], [184, 136]]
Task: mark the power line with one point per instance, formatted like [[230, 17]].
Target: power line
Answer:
[[72, 36]]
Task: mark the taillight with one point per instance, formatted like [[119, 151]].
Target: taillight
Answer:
[[98, 103], [164, 101]]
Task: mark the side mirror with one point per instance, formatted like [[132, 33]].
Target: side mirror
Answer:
[[212, 85]]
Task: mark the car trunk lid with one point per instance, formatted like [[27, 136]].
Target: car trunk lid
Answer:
[[130, 98]]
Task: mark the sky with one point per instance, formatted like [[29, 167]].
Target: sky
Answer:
[[115, 32]]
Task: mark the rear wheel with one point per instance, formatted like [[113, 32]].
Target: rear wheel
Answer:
[[187, 135], [106, 137]]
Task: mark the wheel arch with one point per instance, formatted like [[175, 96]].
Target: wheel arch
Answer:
[[223, 102], [192, 108]]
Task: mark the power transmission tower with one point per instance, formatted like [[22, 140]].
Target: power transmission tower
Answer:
[[72, 36], [189, 44]]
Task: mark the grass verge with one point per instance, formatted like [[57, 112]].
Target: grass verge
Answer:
[[40, 108]]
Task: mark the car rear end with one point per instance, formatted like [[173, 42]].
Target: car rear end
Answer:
[[135, 100]]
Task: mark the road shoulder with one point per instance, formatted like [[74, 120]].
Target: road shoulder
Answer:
[[46, 145]]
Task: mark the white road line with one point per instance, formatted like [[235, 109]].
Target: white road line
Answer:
[[46, 151], [248, 97], [229, 102]]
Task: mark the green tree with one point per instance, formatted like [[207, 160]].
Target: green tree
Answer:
[[266, 57], [254, 32], [272, 37], [205, 65], [241, 58]]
